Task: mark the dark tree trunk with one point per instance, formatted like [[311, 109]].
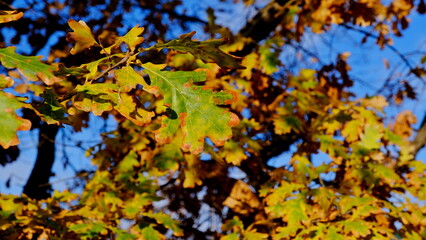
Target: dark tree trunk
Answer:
[[38, 186]]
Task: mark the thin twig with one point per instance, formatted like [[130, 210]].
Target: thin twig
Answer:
[[123, 60], [392, 48]]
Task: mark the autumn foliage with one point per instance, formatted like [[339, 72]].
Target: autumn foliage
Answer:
[[198, 123]]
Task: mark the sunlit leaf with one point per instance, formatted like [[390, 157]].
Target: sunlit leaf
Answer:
[[193, 107], [167, 221], [232, 236], [253, 235], [9, 16], [82, 36], [5, 81], [10, 121], [149, 233], [371, 137], [233, 153], [127, 107], [128, 78], [358, 228], [93, 67], [31, 67], [131, 38], [97, 98], [102, 97], [191, 174]]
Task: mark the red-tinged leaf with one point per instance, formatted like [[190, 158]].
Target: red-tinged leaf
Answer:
[[82, 36], [193, 107], [31, 67], [131, 38], [208, 51], [10, 121], [9, 16]]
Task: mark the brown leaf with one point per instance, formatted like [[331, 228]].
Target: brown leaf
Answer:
[[403, 123]]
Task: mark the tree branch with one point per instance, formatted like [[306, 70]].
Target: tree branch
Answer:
[[420, 140], [262, 25], [392, 48], [38, 186]]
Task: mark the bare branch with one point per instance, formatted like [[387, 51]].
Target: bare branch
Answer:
[[420, 140]]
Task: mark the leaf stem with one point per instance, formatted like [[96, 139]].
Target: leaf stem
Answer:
[[123, 60]]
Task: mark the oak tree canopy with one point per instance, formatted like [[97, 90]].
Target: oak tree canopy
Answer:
[[202, 113]]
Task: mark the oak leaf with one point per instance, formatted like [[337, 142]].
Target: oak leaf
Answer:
[[403, 123], [29, 66], [191, 106], [8, 16], [102, 97], [11, 122], [166, 221], [128, 78], [208, 51], [5, 81], [82, 36], [131, 38]]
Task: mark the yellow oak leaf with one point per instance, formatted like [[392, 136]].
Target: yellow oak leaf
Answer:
[[82, 36]]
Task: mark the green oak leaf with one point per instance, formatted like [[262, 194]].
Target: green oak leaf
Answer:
[[51, 111], [11, 122], [150, 233], [72, 71], [167, 221], [30, 66], [208, 51], [192, 107]]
